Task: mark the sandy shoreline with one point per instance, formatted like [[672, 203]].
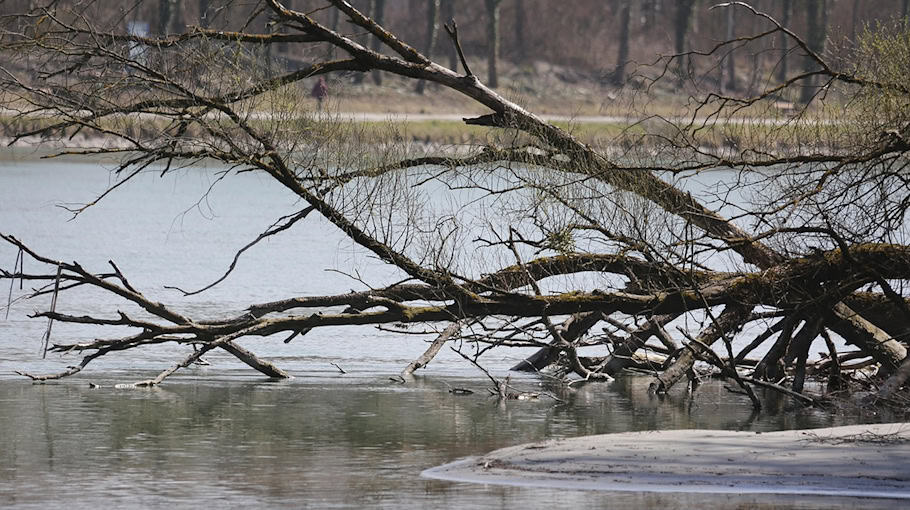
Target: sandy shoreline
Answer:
[[869, 461]]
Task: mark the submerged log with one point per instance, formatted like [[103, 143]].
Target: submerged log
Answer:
[[573, 328], [868, 337], [447, 334], [896, 381], [730, 320]]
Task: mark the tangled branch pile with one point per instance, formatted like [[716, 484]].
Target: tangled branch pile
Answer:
[[813, 243]]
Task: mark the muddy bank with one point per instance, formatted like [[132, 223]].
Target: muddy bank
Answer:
[[868, 461]]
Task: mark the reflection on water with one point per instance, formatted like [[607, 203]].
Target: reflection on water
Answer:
[[328, 441]]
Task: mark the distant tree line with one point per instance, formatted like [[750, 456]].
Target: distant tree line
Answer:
[[603, 39]]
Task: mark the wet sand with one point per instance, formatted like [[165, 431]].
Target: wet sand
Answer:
[[859, 461]]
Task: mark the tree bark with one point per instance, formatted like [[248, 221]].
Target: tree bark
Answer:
[[448, 16], [854, 18], [730, 61], [452, 330], [621, 357], [432, 31], [768, 368], [681, 22], [204, 14], [254, 361], [868, 337], [730, 320], [618, 77], [167, 11], [816, 16], [492, 18], [573, 328], [521, 49], [378, 16], [897, 379], [784, 41], [335, 19], [799, 350]]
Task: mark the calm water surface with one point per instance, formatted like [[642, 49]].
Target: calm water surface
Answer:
[[221, 435]]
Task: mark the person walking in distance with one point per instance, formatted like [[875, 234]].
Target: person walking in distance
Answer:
[[320, 91]]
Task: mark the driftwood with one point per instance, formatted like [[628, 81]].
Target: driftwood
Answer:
[[447, 334]]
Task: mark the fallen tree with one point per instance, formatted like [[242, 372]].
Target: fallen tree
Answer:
[[814, 244]]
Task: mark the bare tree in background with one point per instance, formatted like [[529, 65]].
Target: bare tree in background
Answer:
[[784, 40], [681, 24], [729, 61], [379, 16], [204, 13], [448, 14], [816, 20], [521, 47], [432, 31], [492, 23], [618, 76], [167, 13]]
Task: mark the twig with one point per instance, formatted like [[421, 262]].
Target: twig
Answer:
[[711, 357], [19, 262], [275, 228], [453, 34], [786, 391], [339, 368], [50, 319], [496, 383]]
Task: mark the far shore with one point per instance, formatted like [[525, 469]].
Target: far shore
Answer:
[[871, 462]]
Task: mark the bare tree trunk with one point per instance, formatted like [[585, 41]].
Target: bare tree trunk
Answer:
[[254, 361], [378, 15], [204, 14], [768, 368], [622, 56], [448, 14], [267, 48], [330, 55], [521, 49], [871, 339], [681, 22], [166, 11], [816, 17], [432, 30], [799, 350], [493, 42], [784, 41], [900, 376], [730, 82], [787, 282], [649, 11], [372, 41], [853, 20]]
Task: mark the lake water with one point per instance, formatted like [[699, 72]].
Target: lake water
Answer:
[[220, 434]]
